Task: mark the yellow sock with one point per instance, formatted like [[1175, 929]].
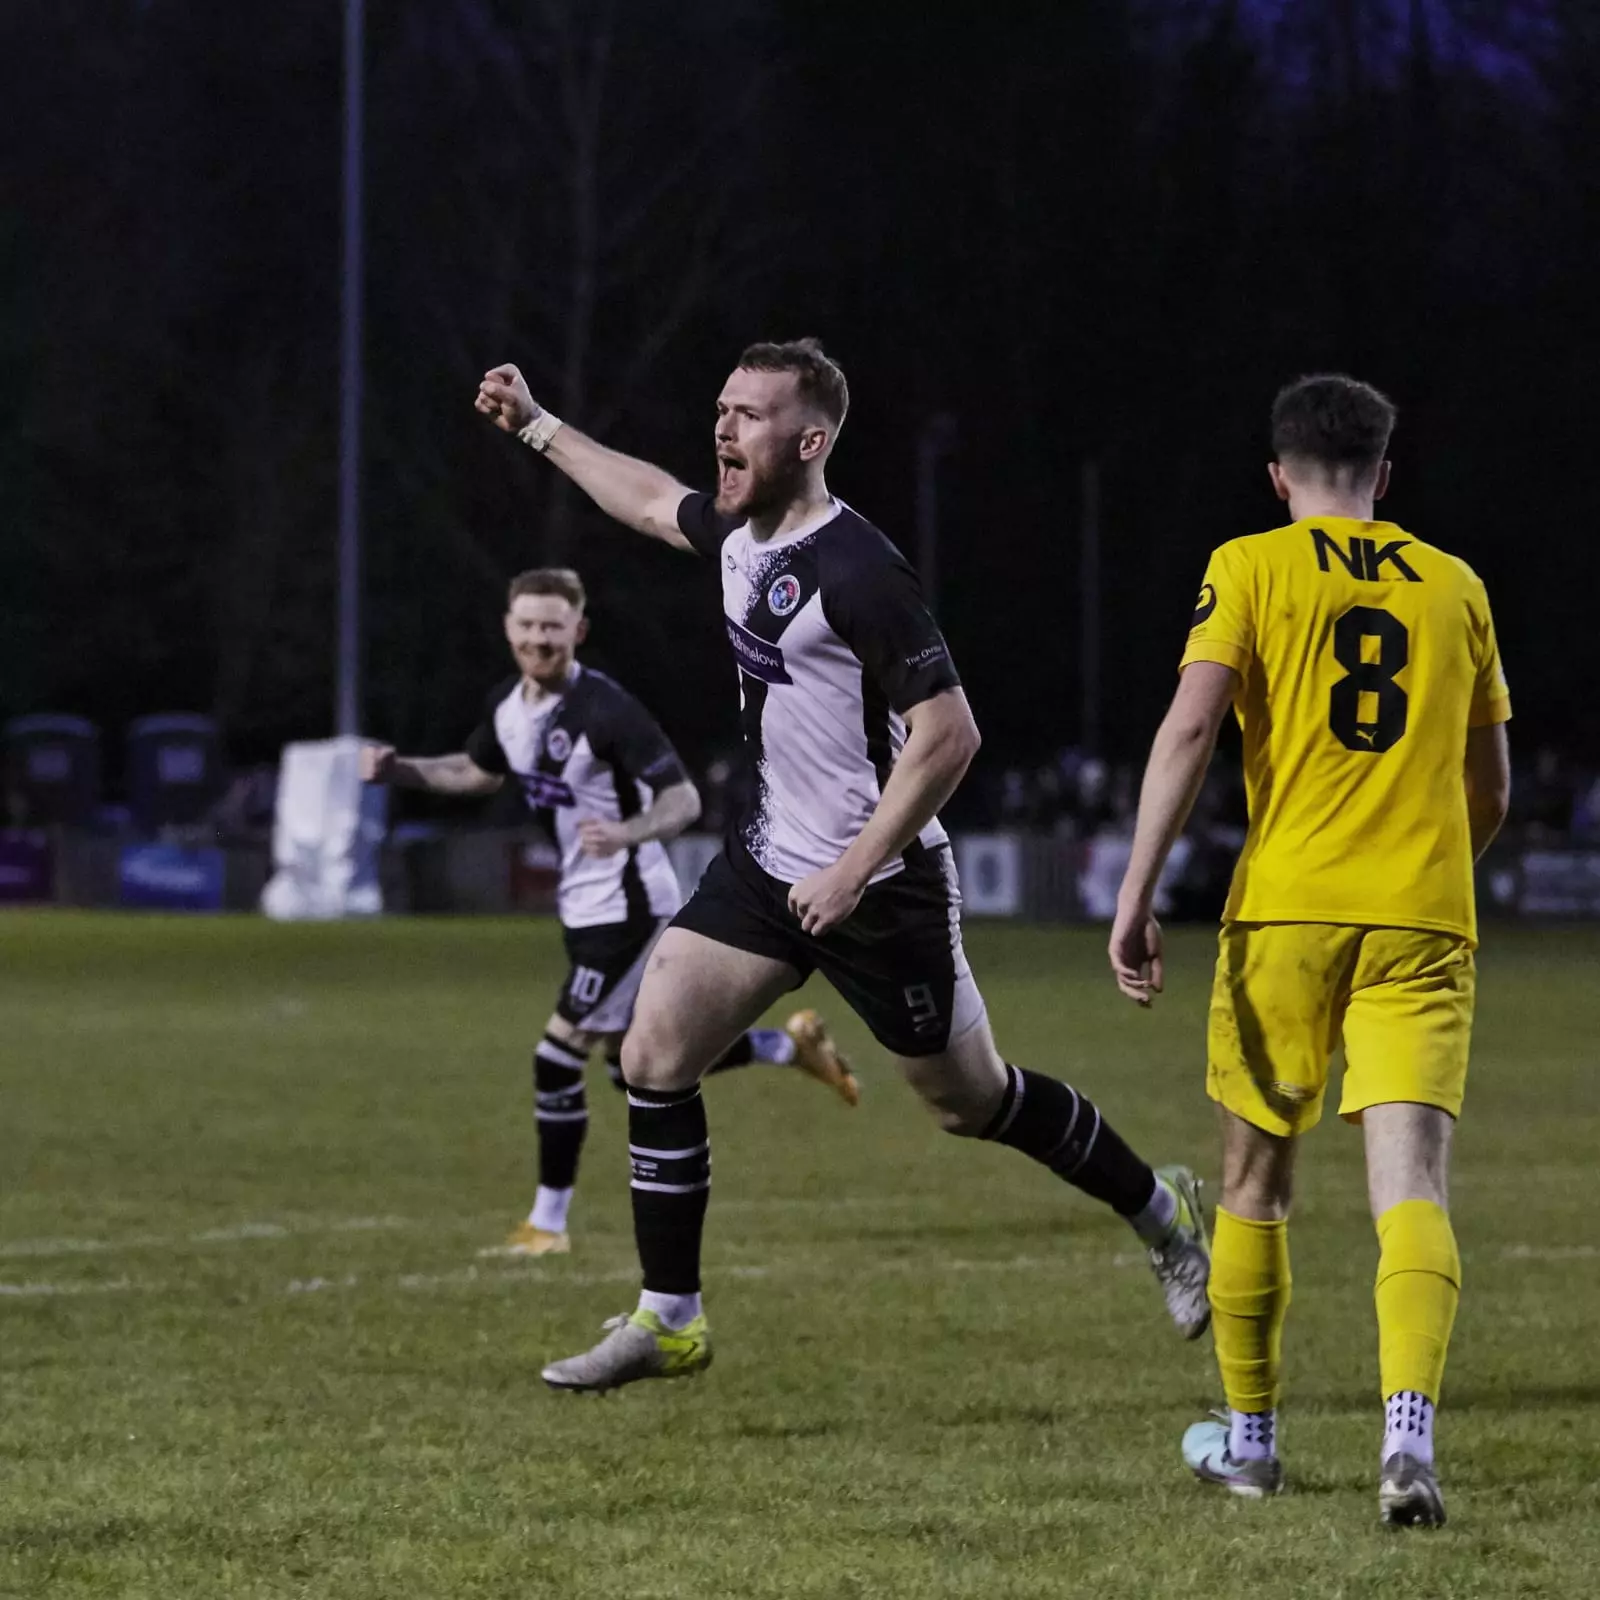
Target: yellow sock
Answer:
[[1419, 1285], [1249, 1301]]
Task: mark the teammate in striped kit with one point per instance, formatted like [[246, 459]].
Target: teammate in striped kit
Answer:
[[607, 786]]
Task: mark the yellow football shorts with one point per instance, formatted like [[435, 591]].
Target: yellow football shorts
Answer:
[[1287, 992]]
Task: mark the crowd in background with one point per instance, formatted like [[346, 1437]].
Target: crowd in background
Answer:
[[1082, 801], [1072, 796], [1553, 800]]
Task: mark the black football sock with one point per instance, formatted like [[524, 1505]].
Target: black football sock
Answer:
[[670, 1150], [614, 1064], [561, 1110], [738, 1054], [1062, 1129]]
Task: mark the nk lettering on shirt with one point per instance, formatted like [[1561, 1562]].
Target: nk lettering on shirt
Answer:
[[1364, 655]]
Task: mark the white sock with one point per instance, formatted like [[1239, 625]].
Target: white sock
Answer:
[[676, 1310], [773, 1046], [1154, 1223], [1408, 1425], [1253, 1435], [550, 1209]]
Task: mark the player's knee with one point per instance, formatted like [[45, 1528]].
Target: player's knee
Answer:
[[956, 1105], [964, 1121], [1260, 1193], [650, 1060], [641, 1062], [566, 1032]]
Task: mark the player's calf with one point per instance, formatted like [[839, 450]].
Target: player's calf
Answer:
[[975, 1094], [1066, 1132], [963, 1095]]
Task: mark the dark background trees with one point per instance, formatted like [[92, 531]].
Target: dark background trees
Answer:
[[1102, 231]]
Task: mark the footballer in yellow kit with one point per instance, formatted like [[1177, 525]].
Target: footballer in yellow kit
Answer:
[[1361, 663], [1363, 655]]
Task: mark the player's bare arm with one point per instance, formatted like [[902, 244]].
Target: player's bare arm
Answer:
[[1172, 779], [673, 810], [452, 774], [941, 740], [1488, 780], [634, 492]]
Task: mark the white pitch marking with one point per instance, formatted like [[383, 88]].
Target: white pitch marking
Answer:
[[250, 1232], [240, 1233], [53, 1247], [24, 1290], [1554, 1252], [81, 1247], [543, 1275], [827, 1202]]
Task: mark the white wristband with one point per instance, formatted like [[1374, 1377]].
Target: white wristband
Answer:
[[538, 433]]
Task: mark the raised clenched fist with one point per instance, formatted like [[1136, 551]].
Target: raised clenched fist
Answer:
[[503, 397]]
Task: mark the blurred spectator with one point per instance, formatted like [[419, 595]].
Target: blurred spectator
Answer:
[[1543, 802], [1586, 814], [243, 814]]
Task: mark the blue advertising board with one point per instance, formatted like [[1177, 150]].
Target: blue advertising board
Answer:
[[25, 868], [170, 877]]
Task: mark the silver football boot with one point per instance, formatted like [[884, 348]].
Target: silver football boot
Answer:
[[1408, 1493], [638, 1345], [1182, 1264]]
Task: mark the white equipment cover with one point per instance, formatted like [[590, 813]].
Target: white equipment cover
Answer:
[[325, 838]]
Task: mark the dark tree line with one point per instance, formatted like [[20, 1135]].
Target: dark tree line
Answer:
[[1101, 231]]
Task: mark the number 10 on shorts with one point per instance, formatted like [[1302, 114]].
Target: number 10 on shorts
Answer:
[[586, 984]]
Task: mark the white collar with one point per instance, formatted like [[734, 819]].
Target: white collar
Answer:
[[780, 541], [549, 701]]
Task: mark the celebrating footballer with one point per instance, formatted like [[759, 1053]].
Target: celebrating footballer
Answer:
[[857, 731]]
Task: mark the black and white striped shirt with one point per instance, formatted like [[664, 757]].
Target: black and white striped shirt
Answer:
[[833, 644], [592, 751]]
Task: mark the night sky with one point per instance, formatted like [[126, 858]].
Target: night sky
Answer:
[[1100, 232]]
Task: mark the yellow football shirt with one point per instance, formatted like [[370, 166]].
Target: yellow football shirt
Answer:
[[1364, 655]]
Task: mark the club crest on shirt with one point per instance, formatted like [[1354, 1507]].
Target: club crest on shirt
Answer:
[[558, 746], [784, 595], [1206, 605]]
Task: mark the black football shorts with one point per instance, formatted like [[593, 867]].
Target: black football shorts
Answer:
[[607, 967], [897, 959]]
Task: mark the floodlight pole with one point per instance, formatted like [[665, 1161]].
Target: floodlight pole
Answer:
[[348, 710]]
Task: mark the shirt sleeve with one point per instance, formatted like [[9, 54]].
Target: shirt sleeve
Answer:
[[484, 749], [702, 524], [483, 746], [1224, 625], [1491, 696], [878, 610], [634, 742]]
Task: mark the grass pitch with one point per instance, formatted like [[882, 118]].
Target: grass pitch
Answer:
[[248, 1348]]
